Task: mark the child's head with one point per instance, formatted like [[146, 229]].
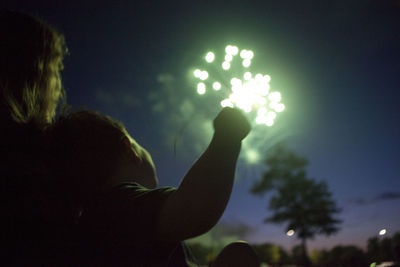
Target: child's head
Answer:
[[99, 152], [31, 53]]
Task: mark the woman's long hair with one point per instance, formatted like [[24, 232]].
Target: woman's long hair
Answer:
[[31, 54]]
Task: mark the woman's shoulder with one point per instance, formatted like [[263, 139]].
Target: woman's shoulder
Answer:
[[24, 152]]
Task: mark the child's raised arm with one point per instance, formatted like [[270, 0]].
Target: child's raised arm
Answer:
[[201, 198]]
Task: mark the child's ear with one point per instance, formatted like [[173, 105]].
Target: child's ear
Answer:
[[130, 152]]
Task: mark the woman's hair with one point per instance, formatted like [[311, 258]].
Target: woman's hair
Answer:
[[31, 54]]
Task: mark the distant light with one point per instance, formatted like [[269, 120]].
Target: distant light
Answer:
[[226, 103], [290, 232], [236, 82], [246, 63], [262, 111], [259, 77], [269, 122], [216, 86], [201, 88], [228, 49], [247, 75], [264, 89], [275, 97], [382, 232], [234, 50], [271, 115], [279, 107], [273, 105], [210, 57], [243, 53], [261, 100], [249, 54], [203, 75], [261, 120], [247, 109], [197, 73], [228, 57], [226, 65]]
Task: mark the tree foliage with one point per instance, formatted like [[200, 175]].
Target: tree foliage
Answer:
[[271, 254], [384, 249], [378, 250], [306, 205]]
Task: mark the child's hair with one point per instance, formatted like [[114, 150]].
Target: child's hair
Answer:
[[31, 54], [89, 145]]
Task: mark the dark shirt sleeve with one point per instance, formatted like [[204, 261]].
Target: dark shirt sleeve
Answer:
[[135, 209], [124, 220]]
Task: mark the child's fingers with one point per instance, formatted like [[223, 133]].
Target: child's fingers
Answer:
[[232, 122]]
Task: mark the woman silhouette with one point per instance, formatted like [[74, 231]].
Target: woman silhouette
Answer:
[[31, 54]]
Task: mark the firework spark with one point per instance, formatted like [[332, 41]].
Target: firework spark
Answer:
[[247, 91]]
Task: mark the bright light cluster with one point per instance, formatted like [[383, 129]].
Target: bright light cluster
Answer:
[[251, 93]]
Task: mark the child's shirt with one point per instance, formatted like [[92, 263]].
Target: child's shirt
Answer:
[[119, 228]]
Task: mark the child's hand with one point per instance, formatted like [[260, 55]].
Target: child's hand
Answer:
[[231, 124]]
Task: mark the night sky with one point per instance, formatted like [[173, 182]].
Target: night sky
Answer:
[[336, 63]]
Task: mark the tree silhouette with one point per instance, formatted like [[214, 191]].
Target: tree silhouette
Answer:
[[271, 254], [304, 204], [384, 249]]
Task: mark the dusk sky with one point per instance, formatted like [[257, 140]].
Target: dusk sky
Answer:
[[336, 64]]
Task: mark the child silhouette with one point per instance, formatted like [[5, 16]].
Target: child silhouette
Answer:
[[124, 219]]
